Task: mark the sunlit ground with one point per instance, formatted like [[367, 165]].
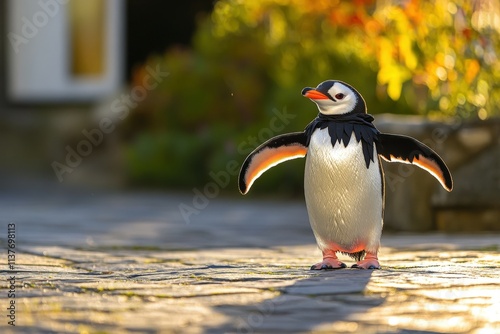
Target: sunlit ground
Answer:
[[132, 263]]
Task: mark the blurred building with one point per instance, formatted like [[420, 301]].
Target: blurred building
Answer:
[[67, 51], [63, 50], [59, 59]]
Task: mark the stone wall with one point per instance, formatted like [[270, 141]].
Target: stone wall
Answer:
[[415, 201]]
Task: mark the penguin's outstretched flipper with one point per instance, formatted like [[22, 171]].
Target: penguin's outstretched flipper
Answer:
[[274, 151], [397, 148]]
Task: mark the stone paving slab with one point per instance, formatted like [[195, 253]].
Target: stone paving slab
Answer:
[[206, 292], [128, 263]]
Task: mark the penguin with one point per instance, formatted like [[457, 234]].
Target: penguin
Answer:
[[343, 177]]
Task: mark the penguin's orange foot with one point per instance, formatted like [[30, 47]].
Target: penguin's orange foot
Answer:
[[327, 264], [369, 263]]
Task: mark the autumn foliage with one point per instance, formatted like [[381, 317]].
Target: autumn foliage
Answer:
[[446, 50], [248, 58]]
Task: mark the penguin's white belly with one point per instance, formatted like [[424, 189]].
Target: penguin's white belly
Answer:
[[344, 198]]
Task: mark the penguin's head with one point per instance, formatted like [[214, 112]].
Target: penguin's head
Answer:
[[336, 98]]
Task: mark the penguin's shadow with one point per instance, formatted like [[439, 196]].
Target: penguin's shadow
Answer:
[[324, 301]]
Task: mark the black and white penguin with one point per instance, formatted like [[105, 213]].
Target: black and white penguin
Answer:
[[343, 179]]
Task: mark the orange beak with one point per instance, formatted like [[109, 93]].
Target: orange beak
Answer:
[[313, 94]]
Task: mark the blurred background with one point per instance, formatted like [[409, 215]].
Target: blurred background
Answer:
[[172, 95]]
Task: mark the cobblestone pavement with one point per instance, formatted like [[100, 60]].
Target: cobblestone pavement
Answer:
[[129, 263]]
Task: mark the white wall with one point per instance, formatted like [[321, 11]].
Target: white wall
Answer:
[[38, 53]]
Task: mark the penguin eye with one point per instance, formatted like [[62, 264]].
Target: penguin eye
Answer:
[[339, 96]]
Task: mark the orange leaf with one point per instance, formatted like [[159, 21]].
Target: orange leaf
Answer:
[[472, 68]]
